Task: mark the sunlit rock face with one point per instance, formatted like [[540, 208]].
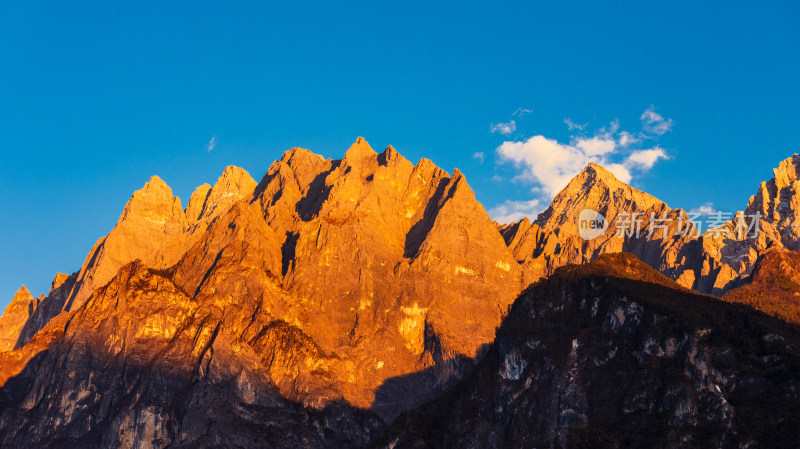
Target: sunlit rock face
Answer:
[[18, 311], [777, 201], [26, 315], [141, 364], [389, 268], [207, 203], [152, 228], [346, 290], [612, 354], [155, 229], [555, 240]]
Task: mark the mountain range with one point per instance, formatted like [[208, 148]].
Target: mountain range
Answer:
[[370, 301]]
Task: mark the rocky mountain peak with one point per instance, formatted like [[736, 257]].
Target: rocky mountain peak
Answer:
[[297, 157], [155, 185], [23, 294], [235, 180], [196, 202], [359, 154], [14, 317], [304, 166], [593, 176], [778, 202], [598, 189], [787, 171], [233, 185], [555, 238], [388, 155], [152, 227], [598, 171], [154, 202], [409, 258], [58, 281]]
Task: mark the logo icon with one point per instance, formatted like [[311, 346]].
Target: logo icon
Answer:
[[591, 224]]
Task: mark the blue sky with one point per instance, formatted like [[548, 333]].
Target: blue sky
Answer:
[[97, 97]]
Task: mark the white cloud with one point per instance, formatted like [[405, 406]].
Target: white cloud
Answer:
[[654, 123], [645, 159], [596, 146], [549, 165], [704, 209], [211, 144], [479, 156], [507, 128], [573, 126], [504, 128], [511, 211], [520, 112], [543, 161], [620, 171], [627, 139]]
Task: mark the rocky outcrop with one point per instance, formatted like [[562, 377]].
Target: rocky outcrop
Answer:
[[26, 315], [197, 203], [774, 285], [14, 317], [208, 203], [151, 228], [612, 354], [49, 306], [778, 202], [154, 228]]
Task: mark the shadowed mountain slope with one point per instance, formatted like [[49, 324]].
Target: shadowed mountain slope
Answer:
[[773, 287], [613, 354]]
